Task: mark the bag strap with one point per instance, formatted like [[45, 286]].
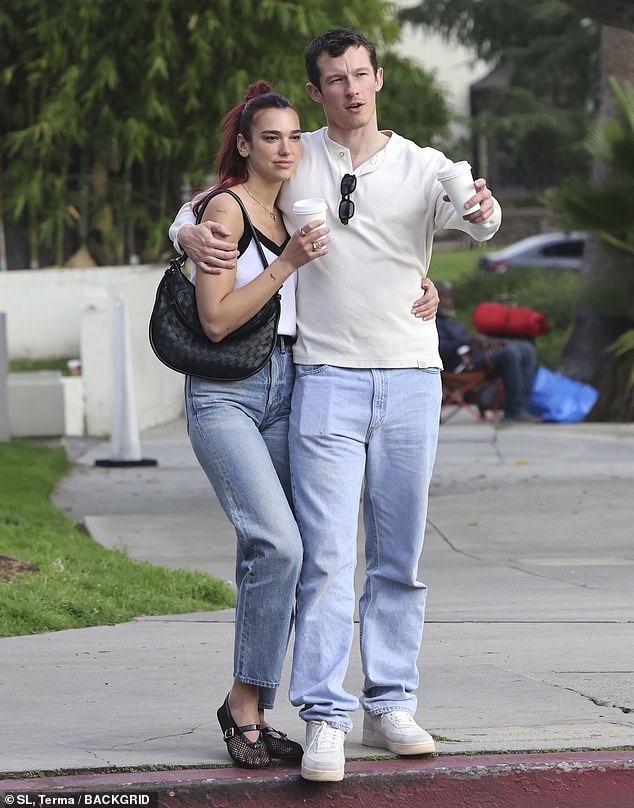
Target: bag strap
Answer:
[[204, 204]]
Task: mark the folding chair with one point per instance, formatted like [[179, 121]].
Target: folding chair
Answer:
[[477, 392]]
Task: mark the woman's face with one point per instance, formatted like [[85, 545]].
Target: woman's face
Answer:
[[275, 146]]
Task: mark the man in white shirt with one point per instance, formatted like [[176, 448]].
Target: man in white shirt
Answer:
[[366, 403]]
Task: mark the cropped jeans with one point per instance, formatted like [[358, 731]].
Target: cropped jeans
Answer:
[[239, 433], [372, 433]]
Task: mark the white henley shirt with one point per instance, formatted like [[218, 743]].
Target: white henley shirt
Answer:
[[354, 304]]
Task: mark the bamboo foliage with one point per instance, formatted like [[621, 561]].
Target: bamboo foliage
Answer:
[[109, 107], [604, 204]]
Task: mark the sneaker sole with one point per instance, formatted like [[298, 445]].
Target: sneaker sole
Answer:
[[333, 776], [379, 740]]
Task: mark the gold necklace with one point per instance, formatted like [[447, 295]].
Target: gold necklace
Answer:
[[271, 213]]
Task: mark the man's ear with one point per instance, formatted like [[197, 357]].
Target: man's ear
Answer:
[[314, 92], [379, 79]]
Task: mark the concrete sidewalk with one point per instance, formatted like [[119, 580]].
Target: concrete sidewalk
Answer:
[[529, 559]]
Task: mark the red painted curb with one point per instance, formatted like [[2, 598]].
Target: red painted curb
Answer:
[[569, 780]]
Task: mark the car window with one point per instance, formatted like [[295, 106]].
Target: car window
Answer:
[[564, 249]]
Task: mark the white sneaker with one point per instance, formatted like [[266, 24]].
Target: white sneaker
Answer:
[[324, 759], [398, 732]]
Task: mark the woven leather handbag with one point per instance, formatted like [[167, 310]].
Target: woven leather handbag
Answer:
[[177, 337]]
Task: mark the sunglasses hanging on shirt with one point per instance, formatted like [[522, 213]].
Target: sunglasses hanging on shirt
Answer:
[[346, 206]]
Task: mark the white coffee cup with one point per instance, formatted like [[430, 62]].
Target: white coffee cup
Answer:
[[309, 210], [457, 181]]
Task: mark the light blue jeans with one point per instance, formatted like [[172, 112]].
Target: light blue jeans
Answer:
[[239, 433], [354, 431]]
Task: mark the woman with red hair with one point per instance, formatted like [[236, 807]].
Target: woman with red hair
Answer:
[[239, 429]]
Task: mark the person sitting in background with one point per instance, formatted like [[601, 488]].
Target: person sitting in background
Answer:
[[513, 361]]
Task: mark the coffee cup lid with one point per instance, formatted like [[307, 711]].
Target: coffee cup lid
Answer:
[[314, 204], [454, 170]]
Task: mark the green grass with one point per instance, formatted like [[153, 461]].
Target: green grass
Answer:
[[51, 363], [453, 265], [79, 582], [553, 293]]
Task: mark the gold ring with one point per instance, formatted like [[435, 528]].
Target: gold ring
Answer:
[[316, 246]]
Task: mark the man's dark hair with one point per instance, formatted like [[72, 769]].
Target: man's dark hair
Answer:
[[335, 42]]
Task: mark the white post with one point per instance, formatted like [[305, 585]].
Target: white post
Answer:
[[3, 245], [5, 432], [125, 442]]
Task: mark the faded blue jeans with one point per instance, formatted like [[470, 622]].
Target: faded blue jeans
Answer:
[[376, 431], [239, 433]]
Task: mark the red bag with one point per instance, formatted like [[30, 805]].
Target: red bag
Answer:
[[498, 320]]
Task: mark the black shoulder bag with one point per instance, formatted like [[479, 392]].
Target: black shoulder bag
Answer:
[[178, 339]]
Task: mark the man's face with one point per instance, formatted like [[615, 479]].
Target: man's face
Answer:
[[348, 88]]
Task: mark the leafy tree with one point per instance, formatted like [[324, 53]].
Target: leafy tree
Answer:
[[615, 13], [601, 347], [106, 105], [543, 90], [605, 203]]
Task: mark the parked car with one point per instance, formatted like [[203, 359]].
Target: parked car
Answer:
[[546, 251]]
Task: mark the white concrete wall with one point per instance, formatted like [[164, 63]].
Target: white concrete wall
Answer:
[[158, 390], [5, 432], [44, 403], [69, 312], [36, 404], [44, 307], [456, 68]]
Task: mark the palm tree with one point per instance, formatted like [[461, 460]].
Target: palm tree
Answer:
[[600, 350]]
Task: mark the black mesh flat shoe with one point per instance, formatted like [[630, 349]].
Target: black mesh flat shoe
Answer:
[[279, 746], [245, 753]]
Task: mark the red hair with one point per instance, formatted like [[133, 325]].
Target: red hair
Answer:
[[231, 165]]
